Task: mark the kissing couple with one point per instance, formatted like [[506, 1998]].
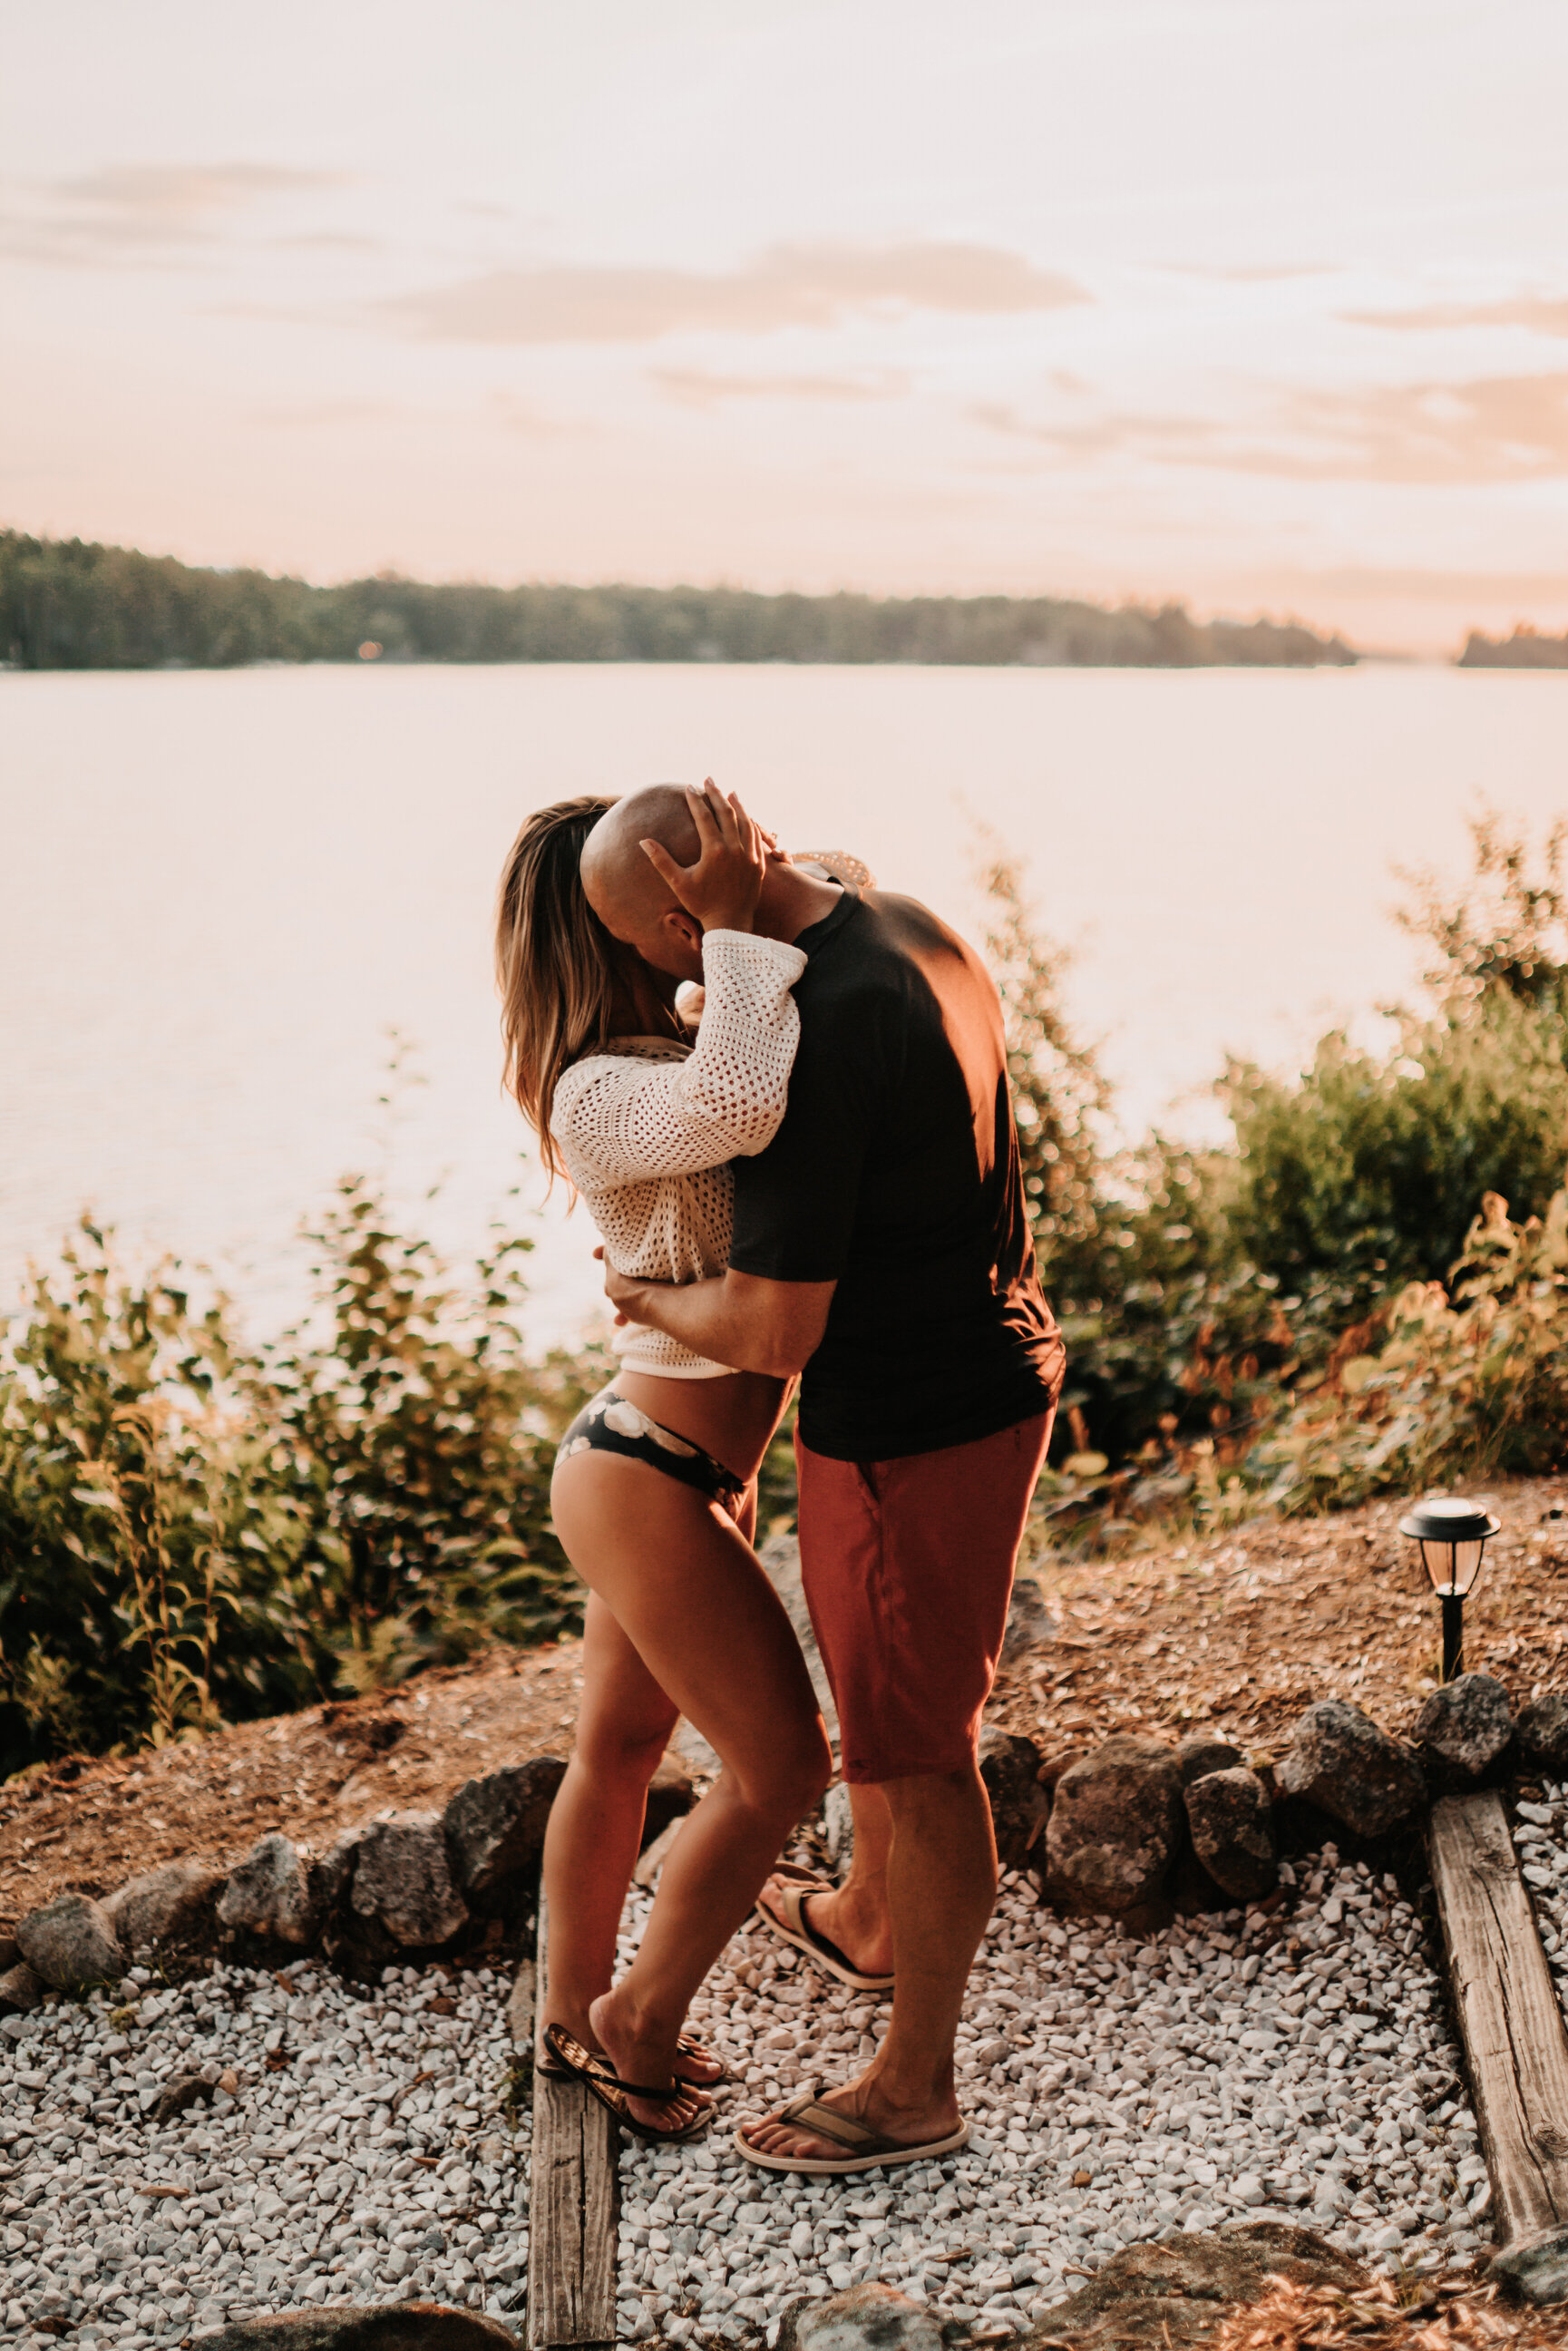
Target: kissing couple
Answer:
[[819, 1183]]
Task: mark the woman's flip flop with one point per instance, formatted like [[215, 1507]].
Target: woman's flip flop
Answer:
[[864, 2149], [791, 1923], [600, 2080], [686, 2047]]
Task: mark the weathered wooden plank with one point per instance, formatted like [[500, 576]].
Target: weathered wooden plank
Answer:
[[573, 2208], [1507, 2015]]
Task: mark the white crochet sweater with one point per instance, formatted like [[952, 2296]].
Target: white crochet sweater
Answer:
[[646, 1130]]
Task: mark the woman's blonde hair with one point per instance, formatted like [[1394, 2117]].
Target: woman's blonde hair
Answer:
[[555, 961]]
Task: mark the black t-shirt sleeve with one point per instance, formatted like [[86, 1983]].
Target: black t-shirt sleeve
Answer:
[[795, 1203]]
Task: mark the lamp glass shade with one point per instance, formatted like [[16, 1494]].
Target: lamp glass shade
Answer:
[[1452, 1537]]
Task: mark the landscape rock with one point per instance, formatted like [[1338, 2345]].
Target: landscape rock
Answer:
[[330, 1875], [867, 2317], [171, 1905], [838, 1823], [402, 1880], [1197, 1758], [269, 1893], [405, 2326], [1178, 2289], [1536, 2269], [180, 2094], [780, 1557], [1029, 1621], [495, 1830], [21, 1991], [1114, 1825], [1232, 1825], [1544, 1733], [1339, 1760], [1467, 1724], [670, 1796], [70, 1943], [1010, 1767]]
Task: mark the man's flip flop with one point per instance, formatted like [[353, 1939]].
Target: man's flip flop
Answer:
[[685, 2047], [791, 1923], [615, 2096], [864, 2149]]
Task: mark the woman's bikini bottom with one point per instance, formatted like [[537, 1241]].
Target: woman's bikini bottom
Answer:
[[610, 1425]]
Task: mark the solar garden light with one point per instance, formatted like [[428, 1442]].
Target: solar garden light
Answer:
[[1452, 1536]]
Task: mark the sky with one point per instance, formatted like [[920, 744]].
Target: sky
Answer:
[[1259, 306]]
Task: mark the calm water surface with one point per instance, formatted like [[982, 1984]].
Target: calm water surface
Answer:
[[219, 893]]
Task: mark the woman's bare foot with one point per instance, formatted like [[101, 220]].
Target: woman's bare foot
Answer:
[[917, 2125], [637, 2056], [855, 1921]]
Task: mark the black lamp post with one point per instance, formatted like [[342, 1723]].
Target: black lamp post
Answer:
[[1452, 1536]]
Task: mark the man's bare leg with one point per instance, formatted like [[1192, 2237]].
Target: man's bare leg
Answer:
[[941, 1875], [856, 1915]]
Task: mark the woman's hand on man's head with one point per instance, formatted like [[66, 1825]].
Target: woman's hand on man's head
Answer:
[[721, 890]]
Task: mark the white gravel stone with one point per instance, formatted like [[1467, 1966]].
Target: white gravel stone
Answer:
[[340, 2177], [1238, 2067]]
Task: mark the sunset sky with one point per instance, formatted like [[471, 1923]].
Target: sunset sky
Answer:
[[1258, 304]]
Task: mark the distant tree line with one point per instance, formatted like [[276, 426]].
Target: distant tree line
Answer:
[[72, 604], [1526, 649]]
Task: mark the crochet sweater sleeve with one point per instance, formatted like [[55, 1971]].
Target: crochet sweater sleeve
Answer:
[[620, 1118]]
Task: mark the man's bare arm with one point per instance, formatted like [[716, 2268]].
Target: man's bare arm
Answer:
[[736, 1318]]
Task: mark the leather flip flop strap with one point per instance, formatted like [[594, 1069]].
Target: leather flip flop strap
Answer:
[[843, 2130], [600, 2080], [792, 1908]]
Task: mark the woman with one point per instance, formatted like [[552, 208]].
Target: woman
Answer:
[[654, 1495]]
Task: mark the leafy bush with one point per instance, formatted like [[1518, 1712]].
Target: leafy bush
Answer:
[[1465, 1382], [190, 1531], [1202, 1293], [1367, 1171]]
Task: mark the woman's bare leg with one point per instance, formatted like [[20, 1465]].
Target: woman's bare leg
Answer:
[[595, 1827], [686, 1590]]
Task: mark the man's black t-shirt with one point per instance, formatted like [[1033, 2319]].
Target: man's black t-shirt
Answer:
[[895, 1173]]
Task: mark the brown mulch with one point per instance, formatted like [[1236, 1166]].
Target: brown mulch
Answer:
[[88, 1826], [1452, 2314], [1234, 1634]]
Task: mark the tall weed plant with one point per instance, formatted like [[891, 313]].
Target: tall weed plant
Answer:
[[191, 1531], [1212, 1300]]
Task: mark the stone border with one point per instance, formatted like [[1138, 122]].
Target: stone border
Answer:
[[400, 1888], [1133, 1827]]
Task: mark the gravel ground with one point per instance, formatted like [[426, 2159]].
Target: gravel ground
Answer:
[[1541, 1840], [1291, 2066], [1248, 2066], [365, 2155]]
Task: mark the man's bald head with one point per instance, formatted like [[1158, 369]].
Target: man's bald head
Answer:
[[630, 898]]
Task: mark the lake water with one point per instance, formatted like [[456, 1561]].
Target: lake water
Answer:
[[219, 893]]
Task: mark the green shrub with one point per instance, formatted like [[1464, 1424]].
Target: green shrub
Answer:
[[1455, 1383], [192, 1533], [1202, 1292], [151, 1574], [1366, 1172]]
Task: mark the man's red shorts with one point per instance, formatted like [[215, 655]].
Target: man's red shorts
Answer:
[[908, 1569]]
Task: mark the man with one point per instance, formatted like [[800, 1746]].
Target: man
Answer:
[[881, 1250]]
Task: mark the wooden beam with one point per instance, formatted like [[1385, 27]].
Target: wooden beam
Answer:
[[1515, 2045], [573, 2208]]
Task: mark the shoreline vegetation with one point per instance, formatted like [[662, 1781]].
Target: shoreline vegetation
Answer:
[[1525, 648], [1365, 1293], [73, 604]]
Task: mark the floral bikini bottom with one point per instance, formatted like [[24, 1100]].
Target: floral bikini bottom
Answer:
[[610, 1425]]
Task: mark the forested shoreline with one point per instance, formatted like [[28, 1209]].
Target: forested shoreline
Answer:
[[75, 604], [1525, 648]]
